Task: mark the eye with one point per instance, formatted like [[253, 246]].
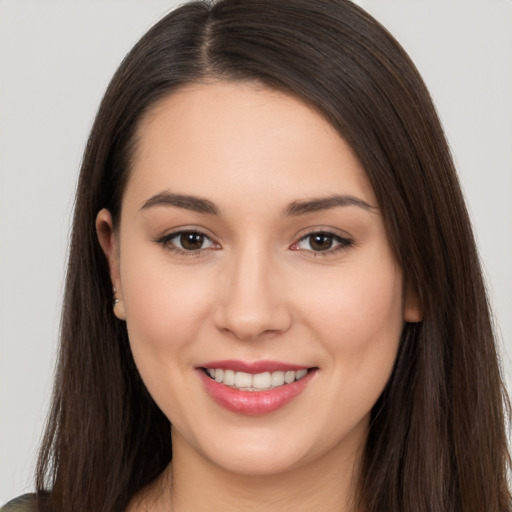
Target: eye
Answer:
[[322, 242], [188, 242]]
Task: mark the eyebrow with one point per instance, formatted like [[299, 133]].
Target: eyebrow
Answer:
[[295, 208], [326, 203], [196, 204]]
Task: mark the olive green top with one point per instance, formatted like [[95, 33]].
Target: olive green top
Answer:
[[25, 503]]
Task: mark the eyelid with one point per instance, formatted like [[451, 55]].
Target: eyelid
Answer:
[[345, 241], [165, 240]]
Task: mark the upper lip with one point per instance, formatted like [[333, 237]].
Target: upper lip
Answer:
[[253, 366]]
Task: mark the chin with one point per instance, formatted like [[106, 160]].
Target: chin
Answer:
[[257, 462]]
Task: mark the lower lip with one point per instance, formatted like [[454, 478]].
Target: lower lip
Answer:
[[254, 402]]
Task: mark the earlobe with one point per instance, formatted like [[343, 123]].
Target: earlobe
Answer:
[[413, 307], [108, 241]]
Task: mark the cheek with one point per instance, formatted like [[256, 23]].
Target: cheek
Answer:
[[358, 313], [160, 310], [165, 309], [358, 320]]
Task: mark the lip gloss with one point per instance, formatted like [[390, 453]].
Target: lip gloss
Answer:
[[254, 402]]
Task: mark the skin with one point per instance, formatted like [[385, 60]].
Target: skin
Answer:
[[258, 290]]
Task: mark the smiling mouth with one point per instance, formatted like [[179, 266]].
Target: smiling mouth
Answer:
[[255, 382]]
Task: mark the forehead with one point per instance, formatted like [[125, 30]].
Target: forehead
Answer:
[[245, 138]]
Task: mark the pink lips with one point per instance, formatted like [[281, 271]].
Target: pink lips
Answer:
[[253, 402]]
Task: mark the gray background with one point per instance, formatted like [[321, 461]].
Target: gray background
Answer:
[[56, 58]]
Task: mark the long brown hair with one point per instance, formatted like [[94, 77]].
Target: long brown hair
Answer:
[[437, 439]]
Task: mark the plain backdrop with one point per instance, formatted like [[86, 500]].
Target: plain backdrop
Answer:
[[56, 58]]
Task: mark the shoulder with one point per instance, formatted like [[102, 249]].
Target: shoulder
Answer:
[[25, 503]]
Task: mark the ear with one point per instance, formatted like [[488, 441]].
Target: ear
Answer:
[[413, 308], [108, 240]]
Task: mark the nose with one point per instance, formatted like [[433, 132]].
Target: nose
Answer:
[[252, 297]]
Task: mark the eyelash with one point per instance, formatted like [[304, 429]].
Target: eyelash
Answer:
[[166, 242], [341, 243]]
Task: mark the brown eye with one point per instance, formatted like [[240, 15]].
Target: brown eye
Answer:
[[191, 241], [187, 242], [322, 242]]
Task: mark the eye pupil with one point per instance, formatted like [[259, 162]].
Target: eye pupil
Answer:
[[321, 241], [191, 241]]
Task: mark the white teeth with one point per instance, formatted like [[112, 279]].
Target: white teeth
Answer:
[[262, 380], [243, 380], [258, 381], [289, 377], [229, 377], [278, 378], [299, 374]]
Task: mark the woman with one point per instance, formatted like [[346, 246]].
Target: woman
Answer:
[[271, 253]]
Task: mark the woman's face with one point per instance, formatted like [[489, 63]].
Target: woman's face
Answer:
[[263, 303]]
